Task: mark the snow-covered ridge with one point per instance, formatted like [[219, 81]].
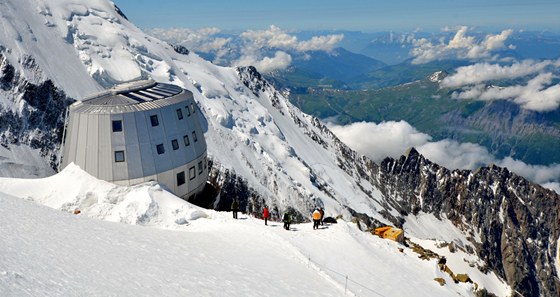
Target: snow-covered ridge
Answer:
[[75, 190], [438, 76]]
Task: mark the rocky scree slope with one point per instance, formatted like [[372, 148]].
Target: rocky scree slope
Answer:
[[517, 222]]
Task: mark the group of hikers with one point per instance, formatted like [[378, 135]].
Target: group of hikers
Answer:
[[317, 215]]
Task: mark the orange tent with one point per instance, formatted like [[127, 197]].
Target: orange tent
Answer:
[[389, 232]]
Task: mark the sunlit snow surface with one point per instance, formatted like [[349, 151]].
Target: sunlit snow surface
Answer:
[[189, 251]]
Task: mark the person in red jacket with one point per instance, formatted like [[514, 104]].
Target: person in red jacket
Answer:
[[266, 214]]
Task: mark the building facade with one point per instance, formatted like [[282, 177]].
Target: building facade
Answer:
[[138, 132]]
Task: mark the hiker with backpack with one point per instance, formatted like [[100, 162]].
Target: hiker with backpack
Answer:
[[316, 219], [287, 220]]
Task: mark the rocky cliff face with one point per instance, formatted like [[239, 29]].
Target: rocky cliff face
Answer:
[[33, 109], [518, 221]]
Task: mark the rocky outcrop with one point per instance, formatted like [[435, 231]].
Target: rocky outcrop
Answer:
[[253, 80], [38, 120], [180, 49], [518, 221]]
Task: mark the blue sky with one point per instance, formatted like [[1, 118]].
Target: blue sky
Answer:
[[364, 15]]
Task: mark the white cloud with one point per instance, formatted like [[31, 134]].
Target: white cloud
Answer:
[[482, 72], [275, 37], [281, 60], [392, 139], [537, 173], [202, 40], [497, 42], [461, 46], [251, 47], [553, 186], [537, 94], [378, 141], [320, 43], [455, 155]]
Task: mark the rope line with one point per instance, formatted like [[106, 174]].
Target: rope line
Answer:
[[346, 276]]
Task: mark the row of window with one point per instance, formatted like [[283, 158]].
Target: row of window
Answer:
[[175, 144], [192, 173], [160, 148], [118, 127], [119, 157], [154, 118]]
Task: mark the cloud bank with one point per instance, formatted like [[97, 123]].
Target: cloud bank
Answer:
[[392, 139], [538, 94], [276, 38], [460, 46], [483, 72], [281, 60], [268, 50], [377, 141]]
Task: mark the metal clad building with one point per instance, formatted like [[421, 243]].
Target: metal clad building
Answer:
[[139, 132]]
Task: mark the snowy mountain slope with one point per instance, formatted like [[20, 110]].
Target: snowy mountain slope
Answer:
[[188, 250], [34, 32], [262, 148], [270, 139]]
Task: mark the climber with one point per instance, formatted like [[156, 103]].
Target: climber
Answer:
[[266, 214], [316, 219], [287, 220], [235, 207]]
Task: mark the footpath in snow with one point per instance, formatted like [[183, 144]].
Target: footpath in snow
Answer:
[[187, 250]]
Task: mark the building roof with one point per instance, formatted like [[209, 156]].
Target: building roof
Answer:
[[130, 97]]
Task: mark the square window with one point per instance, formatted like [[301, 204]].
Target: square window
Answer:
[[119, 156], [117, 126], [194, 136], [179, 114], [160, 149], [193, 109], [154, 120], [188, 110], [192, 173], [175, 144], [180, 178], [200, 167], [186, 140]]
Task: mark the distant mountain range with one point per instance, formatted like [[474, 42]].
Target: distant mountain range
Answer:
[[394, 47]]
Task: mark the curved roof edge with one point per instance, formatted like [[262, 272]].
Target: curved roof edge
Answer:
[[123, 88], [132, 96]]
